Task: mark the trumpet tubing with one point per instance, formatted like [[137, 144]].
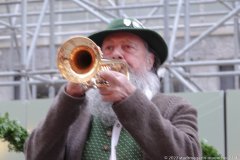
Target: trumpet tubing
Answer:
[[80, 59]]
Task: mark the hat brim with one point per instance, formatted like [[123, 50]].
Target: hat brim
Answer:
[[154, 40]]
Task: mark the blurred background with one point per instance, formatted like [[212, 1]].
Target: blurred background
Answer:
[[203, 37]]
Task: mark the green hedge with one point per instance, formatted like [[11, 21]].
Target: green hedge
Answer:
[[209, 152], [12, 132]]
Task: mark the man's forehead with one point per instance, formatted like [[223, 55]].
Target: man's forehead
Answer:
[[123, 35]]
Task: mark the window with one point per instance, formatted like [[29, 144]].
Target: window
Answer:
[[227, 82]]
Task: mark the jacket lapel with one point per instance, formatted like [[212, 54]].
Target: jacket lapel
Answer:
[[77, 136]]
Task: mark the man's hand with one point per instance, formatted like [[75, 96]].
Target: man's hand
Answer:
[[75, 90], [119, 86]]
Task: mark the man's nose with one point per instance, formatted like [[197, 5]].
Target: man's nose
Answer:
[[117, 54]]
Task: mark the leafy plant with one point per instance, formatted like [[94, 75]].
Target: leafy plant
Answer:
[[208, 151], [12, 132]]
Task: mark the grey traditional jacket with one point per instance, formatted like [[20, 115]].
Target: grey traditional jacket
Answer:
[[163, 127]]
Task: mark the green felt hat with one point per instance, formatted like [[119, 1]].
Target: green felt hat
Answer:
[[154, 40]]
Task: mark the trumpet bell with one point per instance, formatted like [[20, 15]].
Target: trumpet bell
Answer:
[[79, 60]]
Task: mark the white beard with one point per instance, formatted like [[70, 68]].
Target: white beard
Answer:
[[147, 82]]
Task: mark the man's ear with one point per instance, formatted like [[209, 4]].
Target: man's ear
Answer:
[[150, 61]]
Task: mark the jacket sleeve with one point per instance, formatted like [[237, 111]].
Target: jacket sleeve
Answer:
[[48, 140], [165, 127]]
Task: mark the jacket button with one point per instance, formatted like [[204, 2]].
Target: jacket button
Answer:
[[106, 148], [109, 133]]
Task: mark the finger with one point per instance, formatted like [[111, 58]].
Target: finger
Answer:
[[104, 91], [110, 76], [75, 89]]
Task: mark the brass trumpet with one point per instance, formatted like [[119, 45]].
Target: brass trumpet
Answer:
[[79, 60]]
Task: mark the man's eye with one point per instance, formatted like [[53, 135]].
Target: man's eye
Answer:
[[128, 47], [108, 48]]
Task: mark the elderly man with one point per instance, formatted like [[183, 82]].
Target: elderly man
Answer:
[[127, 119]]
